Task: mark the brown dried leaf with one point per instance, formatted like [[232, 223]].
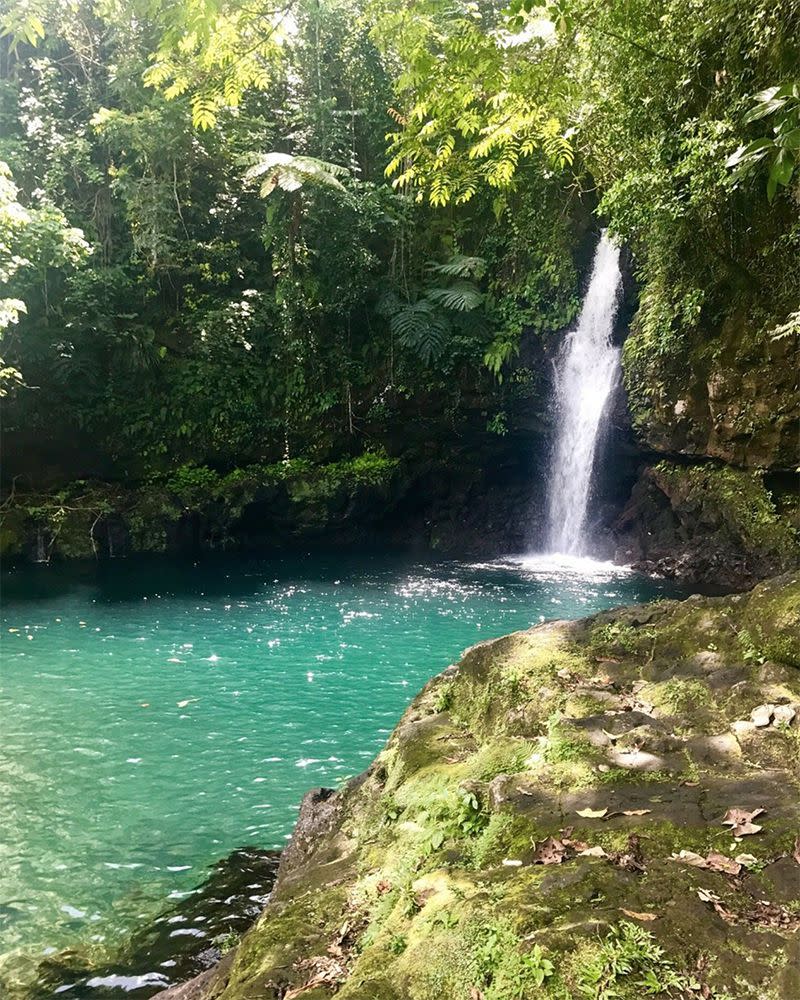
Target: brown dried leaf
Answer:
[[550, 852], [593, 852], [741, 821], [721, 863], [592, 813], [632, 859], [636, 812], [714, 862], [326, 972], [691, 858], [710, 897], [639, 916]]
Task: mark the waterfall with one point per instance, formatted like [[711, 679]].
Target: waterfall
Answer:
[[41, 548], [587, 371]]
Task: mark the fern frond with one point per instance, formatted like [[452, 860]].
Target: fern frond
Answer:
[[461, 297], [461, 266], [422, 328], [289, 173]]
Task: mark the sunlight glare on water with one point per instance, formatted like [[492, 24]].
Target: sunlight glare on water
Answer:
[[156, 716]]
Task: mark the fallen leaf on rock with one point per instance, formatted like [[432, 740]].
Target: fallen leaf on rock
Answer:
[[714, 862], [638, 916], [326, 972], [783, 714], [631, 859], [592, 813], [636, 812], [550, 852], [746, 860], [762, 715], [760, 912], [690, 858], [511, 862], [720, 863], [593, 852], [711, 897], [741, 821]]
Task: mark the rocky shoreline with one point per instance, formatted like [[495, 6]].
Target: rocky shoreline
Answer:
[[596, 809]]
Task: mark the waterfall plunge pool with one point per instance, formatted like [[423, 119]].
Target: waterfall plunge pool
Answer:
[[157, 715]]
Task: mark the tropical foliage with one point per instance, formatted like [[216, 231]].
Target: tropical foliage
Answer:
[[303, 224]]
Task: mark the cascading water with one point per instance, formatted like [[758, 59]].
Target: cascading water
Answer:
[[587, 372]]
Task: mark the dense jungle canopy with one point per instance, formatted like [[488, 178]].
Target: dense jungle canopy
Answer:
[[237, 234]]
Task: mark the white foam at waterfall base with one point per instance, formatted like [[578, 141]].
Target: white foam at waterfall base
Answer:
[[587, 372]]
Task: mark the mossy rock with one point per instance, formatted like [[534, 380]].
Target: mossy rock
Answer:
[[706, 524], [521, 834]]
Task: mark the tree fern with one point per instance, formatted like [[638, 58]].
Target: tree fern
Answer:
[[290, 173]]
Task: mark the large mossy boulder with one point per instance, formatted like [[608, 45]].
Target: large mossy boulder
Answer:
[[600, 809]]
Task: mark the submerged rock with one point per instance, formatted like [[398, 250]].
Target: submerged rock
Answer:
[[183, 941], [574, 811]]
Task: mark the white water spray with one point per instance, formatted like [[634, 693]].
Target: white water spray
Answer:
[[587, 372]]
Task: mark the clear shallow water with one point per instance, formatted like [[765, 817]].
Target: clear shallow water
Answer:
[[156, 716]]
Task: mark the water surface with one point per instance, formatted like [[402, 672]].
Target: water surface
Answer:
[[157, 716]]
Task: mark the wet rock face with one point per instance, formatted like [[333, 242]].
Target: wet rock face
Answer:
[[706, 524], [735, 398], [563, 798]]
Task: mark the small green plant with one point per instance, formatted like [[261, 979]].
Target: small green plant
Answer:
[[445, 919], [630, 957], [498, 424], [226, 942], [444, 697], [615, 634], [398, 944], [390, 809], [509, 973], [470, 819]]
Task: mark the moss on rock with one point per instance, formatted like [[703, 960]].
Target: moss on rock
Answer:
[[522, 837], [708, 524]]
